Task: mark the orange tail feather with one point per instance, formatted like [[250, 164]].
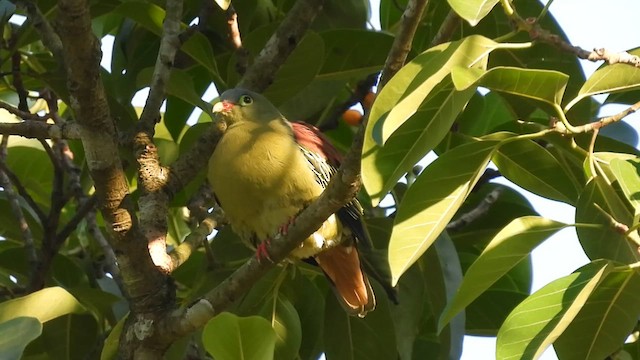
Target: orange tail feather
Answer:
[[342, 266]]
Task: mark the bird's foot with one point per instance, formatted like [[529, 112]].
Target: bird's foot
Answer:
[[283, 230], [262, 252]]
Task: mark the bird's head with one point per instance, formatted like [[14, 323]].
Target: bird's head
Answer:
[[240, 105]]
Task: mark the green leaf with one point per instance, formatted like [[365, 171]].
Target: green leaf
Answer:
[[541, 85], [112, 342], [532, 167], [419, 86], [286, 324], [405, 92], [46, 304], [506, 250], [606, 319], [351, 337], [432, 200], [199, 48], [538, 321], [299, 70], [230, 337], [605, 241], [16, 334], [71, 336], [626, 172], [610, 79], [472, 11], [349, 54], [383, 166]]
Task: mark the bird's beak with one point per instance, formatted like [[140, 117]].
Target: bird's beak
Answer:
[[223, 106]]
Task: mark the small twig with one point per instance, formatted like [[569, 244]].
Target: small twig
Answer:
[[602, 122], [12, 197], [81, 213], [480, 210], [403, 40], [536, 32], [242, 55], [22, 114], [164, 62], [448, 26], [24, 193], [182, 252], [40, 130], [17, 81], [49, 37], [283, 41]]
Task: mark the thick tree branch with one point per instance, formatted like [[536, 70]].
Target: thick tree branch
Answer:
[[41, 130], [403, 40], [263, 70], [144, 286], [447, 28]]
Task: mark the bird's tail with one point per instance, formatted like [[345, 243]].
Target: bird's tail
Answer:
[[341, 265]]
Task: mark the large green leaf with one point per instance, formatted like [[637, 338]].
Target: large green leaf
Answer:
[[604, 241], [432, 200], [417, 86], [349, 54], [351, 337], [286, 324], [229, 337], [301, 67], [68, 337], [606, 319], [542, 317], [610, 79], [541, 85], [16, 334], [46, 304], [626, 172], [506, 250], [532, 167], [472, 11]]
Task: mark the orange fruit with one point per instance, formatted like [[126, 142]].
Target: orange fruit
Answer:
[[352, 117], [367, 100]]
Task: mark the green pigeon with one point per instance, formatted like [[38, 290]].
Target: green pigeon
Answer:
[[265, 170]]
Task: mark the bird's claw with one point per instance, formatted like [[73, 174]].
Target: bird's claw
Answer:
[[262, 252], [284, 228]]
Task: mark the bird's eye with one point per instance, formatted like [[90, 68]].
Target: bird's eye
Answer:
[[246, 100]]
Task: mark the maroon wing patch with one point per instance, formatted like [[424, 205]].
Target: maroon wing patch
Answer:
[[309, 137]]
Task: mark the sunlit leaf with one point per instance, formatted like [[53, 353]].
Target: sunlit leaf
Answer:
[[626, 172], [610, 79], [472, 11], [606, 319], [385, 157], [538, 321], [506, 250], [432, 200], [38, 305], [542, 85]]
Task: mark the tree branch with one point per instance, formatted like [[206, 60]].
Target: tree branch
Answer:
[[169, 46], [49, 37], [403, 40], [41, 130], [27, 235], [144, 286], [261, 74], [448, 26], [23, 192]]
